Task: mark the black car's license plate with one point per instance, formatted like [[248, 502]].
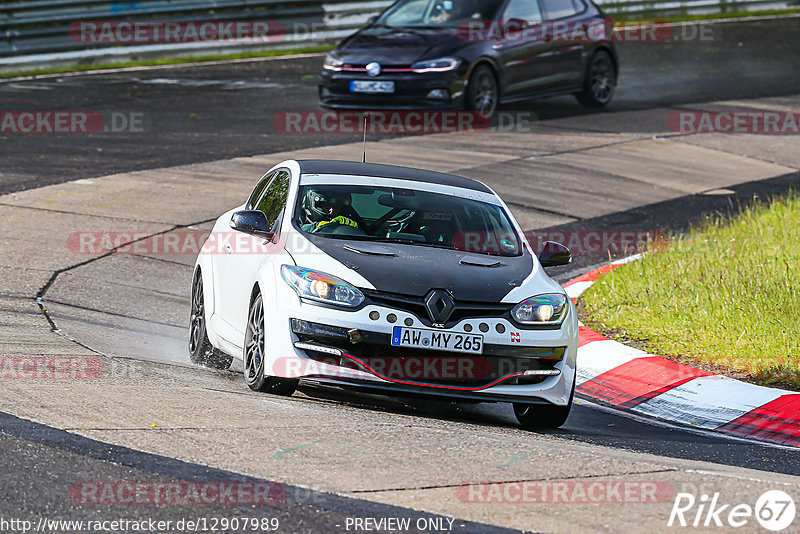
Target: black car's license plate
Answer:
[[370, 86], [435, 340]]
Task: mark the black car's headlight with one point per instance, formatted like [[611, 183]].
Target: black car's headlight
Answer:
[[546, 309], [441, 64], [321, 287], [332, 63]]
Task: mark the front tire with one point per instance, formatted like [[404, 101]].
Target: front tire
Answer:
[[482, 92], [600, 82], [201, 351], [254, 355], [539, 416]]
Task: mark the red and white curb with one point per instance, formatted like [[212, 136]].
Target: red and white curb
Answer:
[[628, 378]]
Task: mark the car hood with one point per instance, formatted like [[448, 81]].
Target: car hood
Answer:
[[414, 270], [398, 46]]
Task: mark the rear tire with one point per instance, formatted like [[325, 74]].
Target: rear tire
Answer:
[[201, 351], [254, 355], [600, 82], [538, 416]]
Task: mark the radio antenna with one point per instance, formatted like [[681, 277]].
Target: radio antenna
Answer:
[[364, 144]]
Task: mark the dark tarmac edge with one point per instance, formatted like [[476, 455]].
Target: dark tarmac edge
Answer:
[[307, 503]]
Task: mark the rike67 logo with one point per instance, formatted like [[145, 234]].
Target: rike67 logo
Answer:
[[774, 510]]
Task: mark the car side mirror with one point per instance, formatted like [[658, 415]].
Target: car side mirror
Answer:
[[252, 222], [371, 20], [553, 254]]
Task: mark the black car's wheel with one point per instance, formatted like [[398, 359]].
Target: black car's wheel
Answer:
[[533, 416], [482, 92], [254, 346], [201, 351], [600, 82]]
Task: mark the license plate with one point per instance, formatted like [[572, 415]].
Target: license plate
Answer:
[[435, 340], [370, 86]]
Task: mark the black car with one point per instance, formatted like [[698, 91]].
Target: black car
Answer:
[[473, 54]]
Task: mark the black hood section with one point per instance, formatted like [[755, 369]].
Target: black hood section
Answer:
[[398, 46], [414, 270]]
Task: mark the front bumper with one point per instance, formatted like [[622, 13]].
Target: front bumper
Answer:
[[363, 356], [411, 90]]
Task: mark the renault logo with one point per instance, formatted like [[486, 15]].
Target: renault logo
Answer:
[[440, 305], [373, 69]]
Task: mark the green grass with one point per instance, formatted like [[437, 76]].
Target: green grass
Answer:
[[725, 297], [708, 16], [167, 61]]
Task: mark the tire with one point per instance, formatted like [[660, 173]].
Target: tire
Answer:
[[600, 82], [538, 416], [201, 352], [253, 356], [482, 91]]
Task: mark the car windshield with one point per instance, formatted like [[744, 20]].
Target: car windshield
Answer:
[[395, 215], [436, 13]]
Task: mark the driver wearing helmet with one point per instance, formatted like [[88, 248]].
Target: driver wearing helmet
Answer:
[[327, 211]]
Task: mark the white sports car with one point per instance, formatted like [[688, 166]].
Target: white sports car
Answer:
[[389, 279]]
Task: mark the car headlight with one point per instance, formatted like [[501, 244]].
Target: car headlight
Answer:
[[321, 287], [332, 63], [436, 65], [547, 309]]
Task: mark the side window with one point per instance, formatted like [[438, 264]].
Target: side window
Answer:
[[559, 9], [256, 194], [273, 200], [527, 10]]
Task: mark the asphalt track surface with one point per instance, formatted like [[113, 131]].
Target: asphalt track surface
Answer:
[[204, 113]]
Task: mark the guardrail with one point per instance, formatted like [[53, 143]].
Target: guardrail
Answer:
[[41, 28]]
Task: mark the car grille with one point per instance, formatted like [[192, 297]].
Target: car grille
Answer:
[[461, 309]]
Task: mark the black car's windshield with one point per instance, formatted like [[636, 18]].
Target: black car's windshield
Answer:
[[395, 215], [436, 13]]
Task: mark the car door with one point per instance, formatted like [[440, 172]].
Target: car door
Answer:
[[566, 34], [220, 260], [521, 49], [247, 254]]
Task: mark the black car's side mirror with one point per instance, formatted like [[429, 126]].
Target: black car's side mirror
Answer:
[[252, 222], [371, 20], [553, 254]]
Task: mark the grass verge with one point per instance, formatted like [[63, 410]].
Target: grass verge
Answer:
[[167, 61], [726, 297], [707, 16]]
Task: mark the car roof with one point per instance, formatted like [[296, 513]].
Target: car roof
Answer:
[[356, 168]]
